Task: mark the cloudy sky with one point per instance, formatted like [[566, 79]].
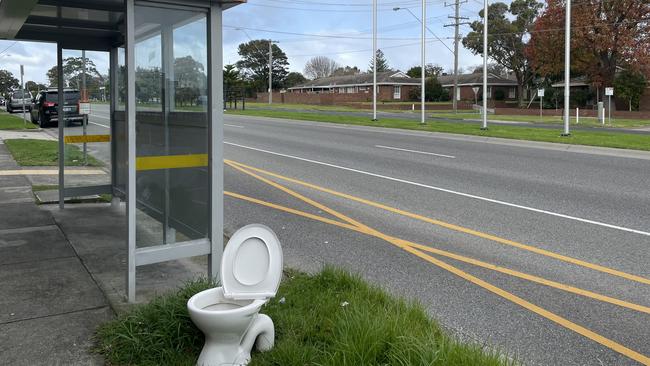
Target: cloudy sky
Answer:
[[339, 29]]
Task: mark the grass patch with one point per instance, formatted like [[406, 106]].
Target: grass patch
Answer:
[[9, 122], [584, 121], [312, 328], [578, 137], [30, 152]]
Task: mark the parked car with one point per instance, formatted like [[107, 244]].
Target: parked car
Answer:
[[45, 107], [16, 100], [2, 101]]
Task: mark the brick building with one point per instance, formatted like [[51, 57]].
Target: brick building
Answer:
[[392, 86], [467, 83]]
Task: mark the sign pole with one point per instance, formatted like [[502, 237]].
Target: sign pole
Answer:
[[610, 109], [22, 85]]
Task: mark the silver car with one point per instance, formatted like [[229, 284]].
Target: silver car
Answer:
[[18, 99]]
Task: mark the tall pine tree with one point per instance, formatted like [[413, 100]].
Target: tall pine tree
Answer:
[[382, 63]]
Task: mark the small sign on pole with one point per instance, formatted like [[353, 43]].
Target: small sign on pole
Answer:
[[540, 93], [475, 89], [84, 108], [609, 92]]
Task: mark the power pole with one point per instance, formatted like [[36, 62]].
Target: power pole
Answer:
[[374, 60], [423, 50], [458, 21], [567, 67], [270, 71]]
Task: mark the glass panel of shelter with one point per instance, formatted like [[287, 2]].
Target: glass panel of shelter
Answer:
[[172, 180], [85, 123]]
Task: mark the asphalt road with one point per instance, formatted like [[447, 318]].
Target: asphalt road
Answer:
[[472, 229]]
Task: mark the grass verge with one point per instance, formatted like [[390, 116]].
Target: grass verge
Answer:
[[578, 137], [331, 318], [9, 122], [31, 152]]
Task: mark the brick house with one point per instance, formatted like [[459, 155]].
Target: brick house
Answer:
[[393, 86], [466, 83]]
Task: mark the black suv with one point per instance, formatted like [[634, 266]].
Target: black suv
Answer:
[[45, 107]]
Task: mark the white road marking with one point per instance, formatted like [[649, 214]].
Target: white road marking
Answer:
[[415, 151], [98, 116], [99, 124], [551, 213], [225, 124]]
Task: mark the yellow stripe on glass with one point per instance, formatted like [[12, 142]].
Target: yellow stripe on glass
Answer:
[[171, 162], [88, 138]]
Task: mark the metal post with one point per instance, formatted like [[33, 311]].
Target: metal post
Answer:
[[85, 124], [61, 119], [84, 93], [270, 72], [22, 85], [374, 60], [130, 121], [541, 104], [577, 115], [215, 92], [423, 51], [609, 106], [114, 95], [485, 57], [567, 67]]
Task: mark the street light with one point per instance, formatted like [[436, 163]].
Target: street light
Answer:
[[567, 67], [485, 57], [423, 54]]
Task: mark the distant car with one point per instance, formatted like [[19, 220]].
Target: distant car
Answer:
[[16, 100], [44, 109], [2, 101]]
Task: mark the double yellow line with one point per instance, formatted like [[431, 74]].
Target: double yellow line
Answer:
[[419, 251]]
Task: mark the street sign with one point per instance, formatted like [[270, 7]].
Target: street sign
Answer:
[[609, 91], [84, 108], [476, 89], [540, 92]]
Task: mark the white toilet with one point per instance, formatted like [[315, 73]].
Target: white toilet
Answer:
[[251, 269]]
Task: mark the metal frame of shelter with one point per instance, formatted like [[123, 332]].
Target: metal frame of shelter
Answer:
[[46, 20]]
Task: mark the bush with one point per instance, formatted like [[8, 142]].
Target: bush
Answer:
[[499, 94]]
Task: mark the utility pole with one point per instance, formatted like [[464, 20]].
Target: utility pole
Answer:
[[485, 58], [567, 67], [374, 60], [423, 51], [456, 24], [270, 71]]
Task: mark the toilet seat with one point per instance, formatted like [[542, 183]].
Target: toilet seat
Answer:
[[251, 266]]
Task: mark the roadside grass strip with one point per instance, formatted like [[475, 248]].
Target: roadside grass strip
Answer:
[[418, 250], [31, 152], [9, 122], [577, 137], [331, 318]]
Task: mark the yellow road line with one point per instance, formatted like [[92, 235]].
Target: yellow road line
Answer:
[[76, 139], [171, 162], [299, 196], [488, 286], [51, 172], [458, 228], [476, 262]]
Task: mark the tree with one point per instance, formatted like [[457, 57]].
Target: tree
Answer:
[[630, 85], [231, 76], [7, 82], [293, 79], [346, 70], [254, 64], [191, 80], [508, 30], [34, 87], [432, 70], [605, 35], [320, 67], [493, 68], [434, 92], [72, 70], [382, 63]]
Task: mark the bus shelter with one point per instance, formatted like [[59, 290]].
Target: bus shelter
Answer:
[[166, 157]]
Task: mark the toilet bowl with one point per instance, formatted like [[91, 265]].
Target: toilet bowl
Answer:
[[228, 316]]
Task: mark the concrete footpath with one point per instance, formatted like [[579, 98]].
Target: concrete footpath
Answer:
[[50, 303], [63, 273]]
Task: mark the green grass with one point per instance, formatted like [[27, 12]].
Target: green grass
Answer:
[[297, 107], [590, 138], [313, 327], [584, 121], [10, 122], [30, 152]]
